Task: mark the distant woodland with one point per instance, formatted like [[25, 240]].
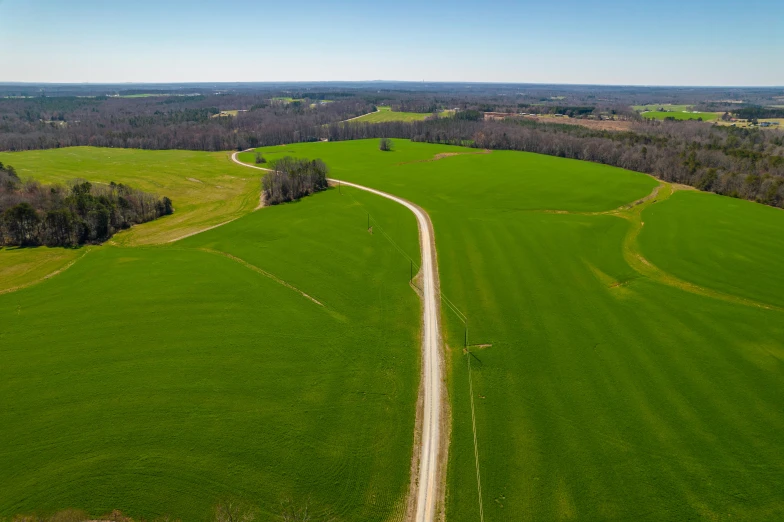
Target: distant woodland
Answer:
[[33, 214], [740, 162]]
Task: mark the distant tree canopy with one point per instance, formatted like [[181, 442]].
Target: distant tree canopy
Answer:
[[293, 178], [753, 113], [385, 144], [32, 214], [469, 115]]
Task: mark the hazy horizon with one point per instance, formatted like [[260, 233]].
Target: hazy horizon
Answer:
[[693, 43]]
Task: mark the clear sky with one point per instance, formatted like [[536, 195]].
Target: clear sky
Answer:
[[634, 42]]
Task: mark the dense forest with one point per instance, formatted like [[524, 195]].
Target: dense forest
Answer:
[[292, 179], [182, 122], [34, 214]]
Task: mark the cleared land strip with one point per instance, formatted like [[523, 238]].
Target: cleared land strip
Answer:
[[430, 475]]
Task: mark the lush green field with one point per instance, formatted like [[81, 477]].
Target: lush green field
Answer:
[[622, 367], [610, 390], [730, 245], [386, 114], [164, 380], [661, 115]]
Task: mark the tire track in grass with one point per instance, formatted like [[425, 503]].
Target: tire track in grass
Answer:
[[48, 276]]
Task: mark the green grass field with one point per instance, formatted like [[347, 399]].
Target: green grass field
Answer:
[[163, 380], [611, 389], [626, 350], [661, 115], [387, 114], [708, 239]]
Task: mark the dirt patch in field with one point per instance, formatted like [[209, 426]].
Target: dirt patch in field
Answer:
[[194, 180], [443, 155], [678, 186], [611, 125]]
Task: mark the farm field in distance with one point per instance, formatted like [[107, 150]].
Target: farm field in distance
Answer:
[[606, 385], [387, 114], [689, 115], [163, 380], [678, 112]]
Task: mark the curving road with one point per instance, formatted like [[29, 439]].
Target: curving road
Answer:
[[429, 478]]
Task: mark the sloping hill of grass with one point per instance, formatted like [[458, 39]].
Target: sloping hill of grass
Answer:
[[164, 380], [206, 187], [600, 391]]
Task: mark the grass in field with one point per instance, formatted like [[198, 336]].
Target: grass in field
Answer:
[[726, 244], [607, 392], [21, 266], [206, 187], [387, 114], [658, 115], [161, 380]]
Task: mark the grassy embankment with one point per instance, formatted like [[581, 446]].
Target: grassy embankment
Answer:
[[612, 389], [163, 379]]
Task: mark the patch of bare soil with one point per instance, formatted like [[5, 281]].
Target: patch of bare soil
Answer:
[[194, 180], [262, 201], [678, 186], [443, 155], [611, 125]]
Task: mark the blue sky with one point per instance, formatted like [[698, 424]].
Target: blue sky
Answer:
[[664, 42]]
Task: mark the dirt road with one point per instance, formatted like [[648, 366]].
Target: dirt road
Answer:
[[429, 475]]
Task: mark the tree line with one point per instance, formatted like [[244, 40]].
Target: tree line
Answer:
[[190, 123], [293, 178], [733, 161], [33, 214]]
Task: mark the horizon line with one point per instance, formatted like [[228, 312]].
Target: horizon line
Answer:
[[229, 82]]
